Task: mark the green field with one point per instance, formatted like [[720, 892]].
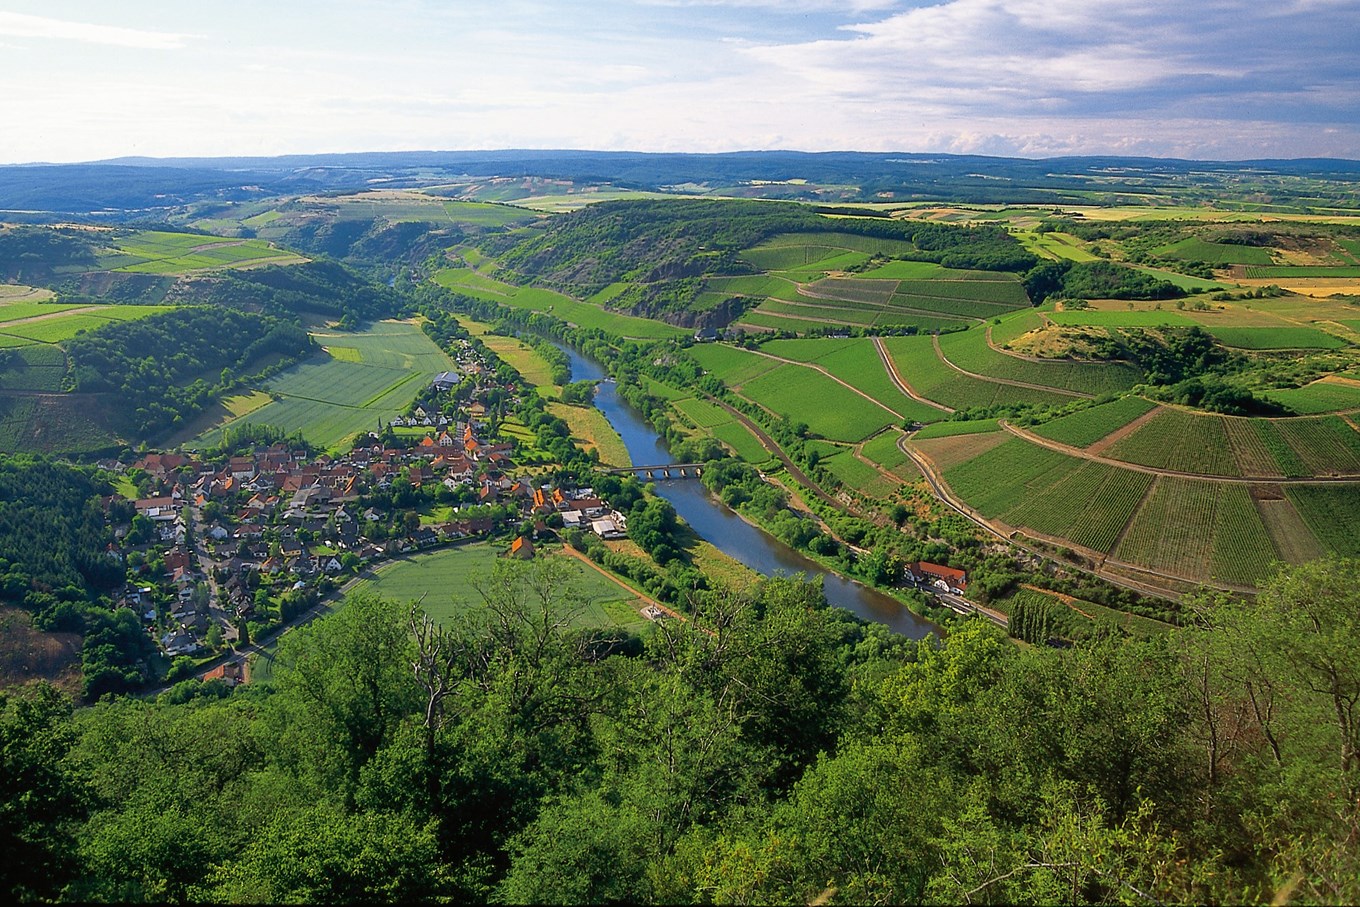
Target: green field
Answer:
[[855, 474], [785, 389], [329, 400], [839, 413], [66, 325], [155, 252], [1014, 325], [858, 364], [1087, 426], [883, 449], [1276, 338], [13, 311], [1318, 397], [1133, 318], [442, 582], [930, 377], [969, 351], [1195, 249], [1056, 246], [581, 314]]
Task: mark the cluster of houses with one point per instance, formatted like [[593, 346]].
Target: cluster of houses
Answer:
[[285, 520]]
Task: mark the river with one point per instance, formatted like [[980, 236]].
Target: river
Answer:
[[718, 524]]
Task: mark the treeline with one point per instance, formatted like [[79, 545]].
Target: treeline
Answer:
[[1095, 280], [315, 287], [34, 254], [372, 242], [766, 749], [55, 564], [161, 370]]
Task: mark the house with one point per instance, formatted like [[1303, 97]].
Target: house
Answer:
[[608, 527], [521, 548], [446, 381], [230, 673], [946, 579]]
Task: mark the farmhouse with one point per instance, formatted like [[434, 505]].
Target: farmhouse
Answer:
[[947, 579]]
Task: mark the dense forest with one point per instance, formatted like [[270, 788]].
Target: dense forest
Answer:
[[55, 564], [166, 368], [768, 749]]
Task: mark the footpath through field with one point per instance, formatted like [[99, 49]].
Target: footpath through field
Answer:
[[901, 383], [935, 338]]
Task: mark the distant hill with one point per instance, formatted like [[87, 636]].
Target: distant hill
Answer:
[[122, 187]]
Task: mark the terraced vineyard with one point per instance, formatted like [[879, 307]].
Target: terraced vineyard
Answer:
[[929, 376], [1180, 442], [969, 351], [1199, 530], [1028, 486], [1085, 427]]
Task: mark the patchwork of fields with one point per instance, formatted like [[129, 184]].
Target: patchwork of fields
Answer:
[[154, 252], [330, 398]]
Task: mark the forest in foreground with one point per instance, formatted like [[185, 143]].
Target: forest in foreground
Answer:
[[768, 750]]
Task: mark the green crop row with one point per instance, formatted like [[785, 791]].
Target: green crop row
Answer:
[[969, 350], [1085, 427]]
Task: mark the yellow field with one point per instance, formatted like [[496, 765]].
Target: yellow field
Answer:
[[523, 359], [592, 430], [344, 353], [243, 404], [20, 293]]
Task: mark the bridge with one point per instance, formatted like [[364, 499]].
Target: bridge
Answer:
[[660, 471]]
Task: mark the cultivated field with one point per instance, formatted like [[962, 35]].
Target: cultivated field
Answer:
[[442, 582], [329, 400], [581, 314]]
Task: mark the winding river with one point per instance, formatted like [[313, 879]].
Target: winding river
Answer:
[[718, 524]]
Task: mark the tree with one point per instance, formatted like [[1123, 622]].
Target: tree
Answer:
[[41, 799], [343, 686], [325, 856]]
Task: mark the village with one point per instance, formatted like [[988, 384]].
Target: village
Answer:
[[223, 550]]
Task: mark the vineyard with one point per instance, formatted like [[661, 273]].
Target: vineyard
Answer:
[[930, 377], [1202, 531], [1181, 442], [1324, 396], [1276, 338], [1085, 427], [969, 351], [1332, 513]]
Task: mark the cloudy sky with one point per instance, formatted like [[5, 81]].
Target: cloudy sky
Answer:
[[1213, 79]]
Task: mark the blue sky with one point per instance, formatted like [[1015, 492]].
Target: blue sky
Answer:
[[1218, 79]]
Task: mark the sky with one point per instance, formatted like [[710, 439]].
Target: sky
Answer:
[[1207, 79]]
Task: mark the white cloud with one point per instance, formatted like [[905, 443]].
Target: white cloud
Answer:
[[19, 25]]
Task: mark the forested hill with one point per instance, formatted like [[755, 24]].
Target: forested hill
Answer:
[[663, 249], [768, 751]]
